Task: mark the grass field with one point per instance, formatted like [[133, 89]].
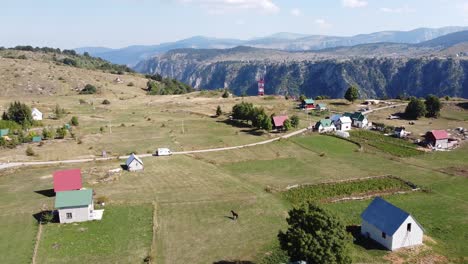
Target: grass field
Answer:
[[124, 235], [195, 193]]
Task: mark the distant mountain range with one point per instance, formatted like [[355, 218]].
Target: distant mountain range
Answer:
[[378, 69], [281, 41]]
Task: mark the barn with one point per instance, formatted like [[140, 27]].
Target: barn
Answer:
[[76, 206], [36, 114], [278, 121], [134, 163], [67, 180], [390, 226], [308, 104], [438, 139]]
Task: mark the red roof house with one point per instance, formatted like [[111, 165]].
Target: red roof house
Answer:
[[438, 139], [278, 121], [67, 180]]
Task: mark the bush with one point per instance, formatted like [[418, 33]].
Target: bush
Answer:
[[219, 111], [47, 133], [433, 106], [61, 132], [19, 113], [415, 109], [315, 235], [106, 102], [225, 94], [295, 121], [89, 89], [74, 121], [352, 94], [59, 112], [83, 101], [30, 151], [130, 84]]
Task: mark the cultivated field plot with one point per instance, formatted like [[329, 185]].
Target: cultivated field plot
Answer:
[[124, 235]]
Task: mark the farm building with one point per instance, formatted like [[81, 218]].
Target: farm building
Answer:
[[344, 123], [134, 163], [324, 126], [308, 104], [76, 206], [358, 118], [67, 180], [4, 132], [390, 226], [334, 118], [278, 121], [321, 107], [36, 114], [400, 132], [438, 139]]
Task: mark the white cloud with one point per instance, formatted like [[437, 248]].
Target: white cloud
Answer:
[[223, 6], [240, 22], [296, 12], [400, 10], [322, 24], [354, 3]]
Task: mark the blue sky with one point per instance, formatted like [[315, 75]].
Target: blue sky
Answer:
[[119, 23]]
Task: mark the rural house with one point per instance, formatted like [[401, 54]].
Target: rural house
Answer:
[[359, 119], [321, 107], [278, 121], [36, 114], [134, 163], [438, 139], [390, 226], [67, 180], [324, 126], [76, 206], [344, 123], [334, 118], [308, 104]]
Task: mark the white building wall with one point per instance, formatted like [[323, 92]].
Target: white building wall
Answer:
[[369, 230], [135, 166], [344, 126], [79, 214], [402, 238], [362, 123], [442, 143], [36, 115]]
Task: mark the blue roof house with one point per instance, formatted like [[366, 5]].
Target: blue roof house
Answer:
[[390, 226]]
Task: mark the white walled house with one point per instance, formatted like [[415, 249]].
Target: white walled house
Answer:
[[325, 126], [390, 226], [134, 163], [76, 206], [36, 114], [344, 123]]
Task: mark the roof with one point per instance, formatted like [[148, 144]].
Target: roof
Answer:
[[74, 198], [399, 129], [67, 180], [324, 123], [345, 119], [322, 105], [35, 110], [335, 117], [439, 134], [278, 121], [131, 158], [348, 114], [384, 215], [309, 101]]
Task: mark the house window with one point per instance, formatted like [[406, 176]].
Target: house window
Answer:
[[384, 235], [408, 227], [69, 215]]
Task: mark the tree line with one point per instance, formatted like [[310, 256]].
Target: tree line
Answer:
[[157, 85]]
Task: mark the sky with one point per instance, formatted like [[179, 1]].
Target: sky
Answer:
[[121, 23]]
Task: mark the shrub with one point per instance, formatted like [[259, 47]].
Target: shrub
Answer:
[[106, 102], [19, 113], [82, 101], [130, 84], [219, 111], [415, 109], [295, 121], [59, 112], [352, 94], [88, 89], [30, 151], [74, 121], [61, 132], [225, 94], [315, 235]]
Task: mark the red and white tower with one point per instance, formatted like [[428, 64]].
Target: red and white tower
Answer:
[[261, 83], [261, 87]]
